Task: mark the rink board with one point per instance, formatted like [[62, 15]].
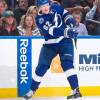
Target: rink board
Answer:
[[87, 63], [51, 92]]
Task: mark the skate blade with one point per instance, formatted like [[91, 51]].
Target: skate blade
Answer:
[[26, 99], [76, 99]]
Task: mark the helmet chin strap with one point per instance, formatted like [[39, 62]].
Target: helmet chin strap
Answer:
[[40, 12]]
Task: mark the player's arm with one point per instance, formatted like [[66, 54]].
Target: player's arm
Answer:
[[69, 22], [68, 19]]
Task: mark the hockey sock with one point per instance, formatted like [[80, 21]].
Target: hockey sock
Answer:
[[73, 81], [34, 85]]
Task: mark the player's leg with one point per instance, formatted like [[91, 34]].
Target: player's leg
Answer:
[[66, 56], [45, 58]]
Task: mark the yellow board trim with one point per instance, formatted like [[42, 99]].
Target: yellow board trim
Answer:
[[8, 92], [51, 91]]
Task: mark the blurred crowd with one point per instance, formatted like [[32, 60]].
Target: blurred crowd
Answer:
[[17, 17]]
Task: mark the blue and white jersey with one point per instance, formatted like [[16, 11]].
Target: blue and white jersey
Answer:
[[53, 25]]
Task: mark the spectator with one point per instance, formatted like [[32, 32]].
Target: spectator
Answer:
[[89, 3], [28, 27], [76, 5], [32, 10], [80, 27], [11, 4], [94, 14], [69, 3], [21, 10], [8, 24], [3, 7], [83, 3], [31, 2]]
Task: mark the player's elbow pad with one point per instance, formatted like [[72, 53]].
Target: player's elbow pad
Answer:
[[70, 22]]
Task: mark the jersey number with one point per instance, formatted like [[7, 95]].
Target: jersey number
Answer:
[[47, 25]]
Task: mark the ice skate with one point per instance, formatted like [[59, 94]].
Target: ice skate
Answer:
[[28, 95], [75, 95]]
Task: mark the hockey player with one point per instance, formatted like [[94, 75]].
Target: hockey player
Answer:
[[57, 26]]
